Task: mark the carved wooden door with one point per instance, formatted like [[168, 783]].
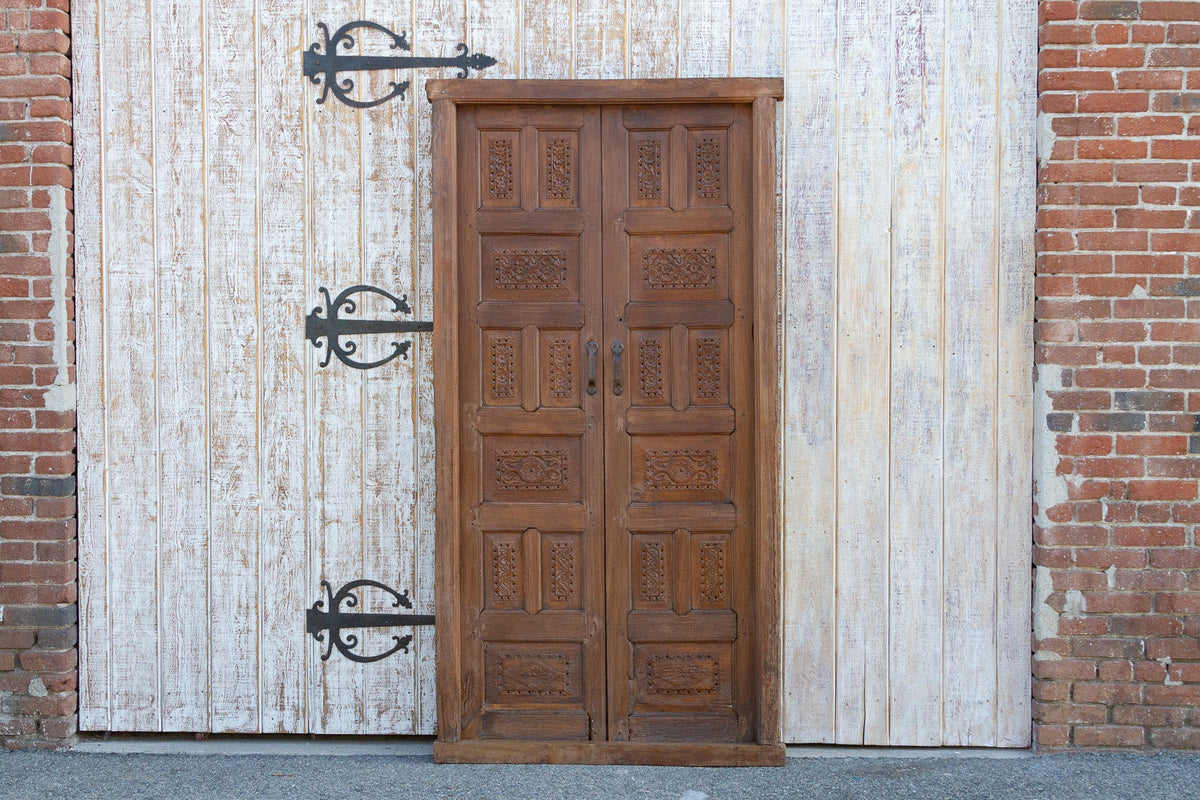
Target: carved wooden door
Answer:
[[606, 548]]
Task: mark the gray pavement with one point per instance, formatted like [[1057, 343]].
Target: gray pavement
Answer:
[[314, 770]]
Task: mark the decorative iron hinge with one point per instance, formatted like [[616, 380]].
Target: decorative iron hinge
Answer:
[[326, 65], [318, 621], [328, 325]]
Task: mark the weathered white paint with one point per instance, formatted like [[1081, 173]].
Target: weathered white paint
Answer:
[[223, 475]]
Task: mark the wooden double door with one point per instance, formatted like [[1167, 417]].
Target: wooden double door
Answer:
[[606, 577]]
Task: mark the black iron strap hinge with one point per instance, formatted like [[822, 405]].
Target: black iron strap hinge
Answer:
[[320, 620], [330, 325]]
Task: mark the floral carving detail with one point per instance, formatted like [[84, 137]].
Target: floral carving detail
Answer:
[[531, 268], [504, 572], [504, 373], [500, 169], [682, 674], [560, 183], [708, 166], [708, 367], [654, 573], [680, 267], [562, 370], [650, 378], [534, 674], [681, 469], [712, 572], [538, 470], [649, 161], [562, 572]]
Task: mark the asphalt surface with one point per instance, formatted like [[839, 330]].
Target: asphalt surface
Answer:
[[29, 775]]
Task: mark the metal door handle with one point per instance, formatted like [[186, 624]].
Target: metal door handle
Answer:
[[592, 347], [617, 349]]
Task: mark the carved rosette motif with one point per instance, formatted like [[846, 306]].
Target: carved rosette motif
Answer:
[[531, 268], [712, 572], [708, 367], [653, 587], [504, 572], [708, 166], [500, 169], [682, 674], [649, 166], [560, 179], [562, 572], [681, 469], [650, 377], [504, 368], [531, 470], [679, 268], [538, 674], [562, 369]]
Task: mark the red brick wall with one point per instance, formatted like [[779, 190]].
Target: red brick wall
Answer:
[[37, 417], [1117, 599]]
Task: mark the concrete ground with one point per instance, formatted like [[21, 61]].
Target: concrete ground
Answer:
[[298, 769]]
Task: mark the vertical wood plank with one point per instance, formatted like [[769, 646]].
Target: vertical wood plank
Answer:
[[916, 478], [233, 364], [757, 42], [494, 26], [704, 38], [439, 24], [182, 354], [810, 352], [599, 50], [335, 465], [863, 423], [1017, 108], [653, 27], [283, 557], [969, 666], [132, 468], [389, 406], [94, 638], [546, 38]]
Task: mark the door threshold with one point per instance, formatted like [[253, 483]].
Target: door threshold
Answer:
[[657, 754]]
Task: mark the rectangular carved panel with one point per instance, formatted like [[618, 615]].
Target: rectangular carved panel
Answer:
[[525, 673], [679, 267], [531, 469], [530, 268], [680, 468], [558, 183], [650, 362], [503, 571], [689, 675], [709, 368], [500, 169], [649, 169], [652, 571], [501, 368], [562, 571], [711, 570], [708, 173], [560, 368]]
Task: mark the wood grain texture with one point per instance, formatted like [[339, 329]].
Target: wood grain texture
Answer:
[[810, 351], [704, 35], [916, 475], [547, 38], [91, 441], [653, 43], [599, 50], [182, 386]]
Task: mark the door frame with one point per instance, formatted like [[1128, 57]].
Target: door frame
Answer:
[[761, 94]]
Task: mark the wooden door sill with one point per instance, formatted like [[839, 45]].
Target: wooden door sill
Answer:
[[659, 754]]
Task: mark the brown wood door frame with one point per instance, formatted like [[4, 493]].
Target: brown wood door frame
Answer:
[[760, 96]]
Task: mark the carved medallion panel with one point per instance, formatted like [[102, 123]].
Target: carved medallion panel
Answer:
[[680, 468], [560, 368], [501, 368], [531, 469], [652, 570], [710, 570], [533, 673], [649, 169], [683, 675], [708, 172], [530, 268], [558, 167], [649, 364], [503, 571], [562, 572], [709, 368], [679, 267], [500, 169]]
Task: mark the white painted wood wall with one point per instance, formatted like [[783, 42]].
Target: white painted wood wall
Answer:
[[222, 474]]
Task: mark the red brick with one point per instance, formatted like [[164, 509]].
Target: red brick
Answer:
[[1114, 102], [1152, 445], [1112, 148], [1150, 79], [1109, 736], [1150, 218]]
